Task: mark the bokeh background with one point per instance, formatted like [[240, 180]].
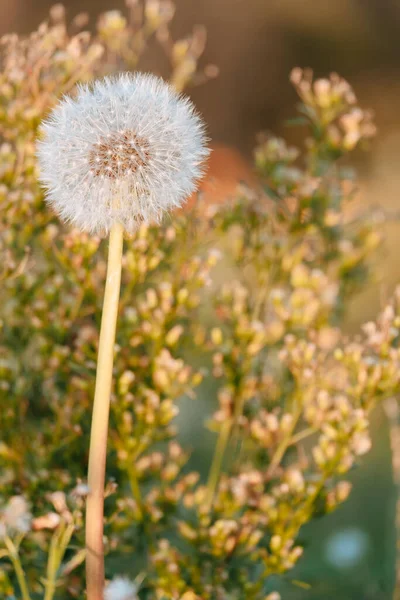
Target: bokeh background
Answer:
[[255, 44]]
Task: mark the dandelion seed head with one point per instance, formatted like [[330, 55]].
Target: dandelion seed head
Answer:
[[126, 149], [15, 517], [120, 588]]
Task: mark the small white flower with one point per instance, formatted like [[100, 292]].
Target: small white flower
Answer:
[[126, 149], [347, 548], [81, 490], [15, 517], [120, 588]]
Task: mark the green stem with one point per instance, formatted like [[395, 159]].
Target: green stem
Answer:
[[19, 572], [222, 443], [121, 441], [216, 464], [135, 489], [283, 445], [58, 546], [302, 435]]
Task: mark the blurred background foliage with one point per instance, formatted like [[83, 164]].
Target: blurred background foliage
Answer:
[[255, 44]]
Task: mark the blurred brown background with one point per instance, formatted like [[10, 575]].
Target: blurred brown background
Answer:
[[256, 43]]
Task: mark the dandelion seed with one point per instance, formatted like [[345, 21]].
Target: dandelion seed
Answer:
[[120, 588], [138, 145]]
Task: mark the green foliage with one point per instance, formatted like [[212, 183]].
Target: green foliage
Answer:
[[247, 295]]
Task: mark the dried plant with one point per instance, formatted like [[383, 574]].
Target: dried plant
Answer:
[[246, 297]]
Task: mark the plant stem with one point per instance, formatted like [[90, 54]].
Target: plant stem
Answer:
[[302, 435], [135, 489], [99, 430], [284, 444], [220, 448], [19, 572], [216, 464], [58, 547]]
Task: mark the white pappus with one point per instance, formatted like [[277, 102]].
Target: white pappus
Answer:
[[126, 148], [120, 588]]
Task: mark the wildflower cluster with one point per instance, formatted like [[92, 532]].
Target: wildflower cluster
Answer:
[[244, 299], [295, 394]]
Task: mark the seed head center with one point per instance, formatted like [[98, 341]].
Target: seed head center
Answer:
[[119, 154]]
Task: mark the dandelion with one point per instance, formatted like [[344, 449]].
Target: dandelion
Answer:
[[120, 588], [16, 520], [16, 516], [123, 152]]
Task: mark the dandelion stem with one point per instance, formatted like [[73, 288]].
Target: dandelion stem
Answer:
[[99, 430], [19, 571]]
